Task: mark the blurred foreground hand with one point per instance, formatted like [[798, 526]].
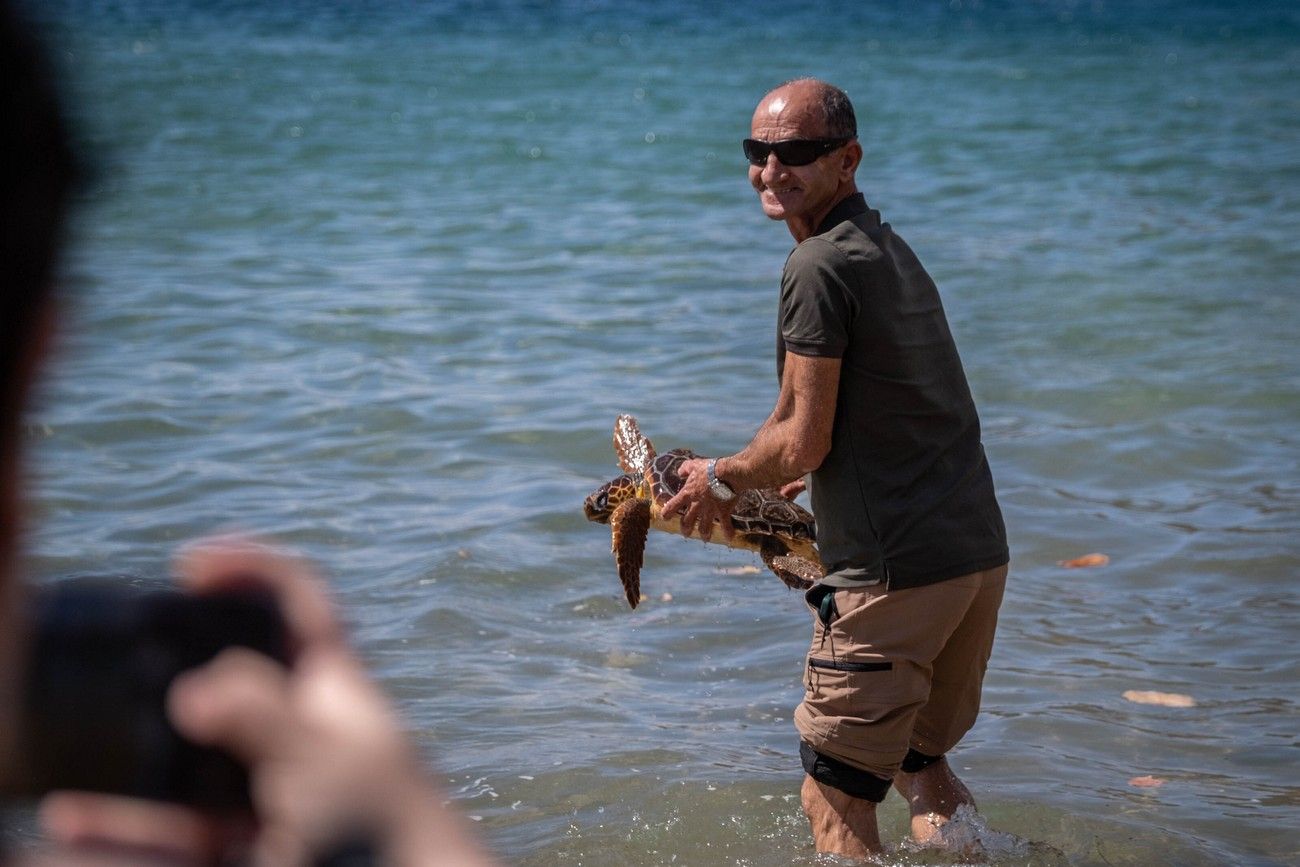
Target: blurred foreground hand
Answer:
[[335, 780]]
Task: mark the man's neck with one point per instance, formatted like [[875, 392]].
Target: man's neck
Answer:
[[803, 228]]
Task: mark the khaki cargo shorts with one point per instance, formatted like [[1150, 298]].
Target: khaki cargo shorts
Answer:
[[893, 670]]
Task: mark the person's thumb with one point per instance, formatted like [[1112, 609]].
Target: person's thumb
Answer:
[[239, 702]]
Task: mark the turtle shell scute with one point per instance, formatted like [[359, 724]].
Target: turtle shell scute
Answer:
[[665, 480], [767, 512]]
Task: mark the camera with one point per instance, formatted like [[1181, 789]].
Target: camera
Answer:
[[101, 654]]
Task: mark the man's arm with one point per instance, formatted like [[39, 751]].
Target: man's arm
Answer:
[[797, 435], [791, 443]]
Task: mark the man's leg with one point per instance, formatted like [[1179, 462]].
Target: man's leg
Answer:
[[866, 677], [933, 794], [885, 668], [840, 802], [841, 824]]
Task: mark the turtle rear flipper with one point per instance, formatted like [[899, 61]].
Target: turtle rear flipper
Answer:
[[629, 525], [795, 572]]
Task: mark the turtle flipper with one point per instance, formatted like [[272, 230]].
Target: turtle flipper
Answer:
[[795, 572], [634, 451], [629, 525]]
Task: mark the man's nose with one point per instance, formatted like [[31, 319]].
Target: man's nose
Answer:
[[773, 168]]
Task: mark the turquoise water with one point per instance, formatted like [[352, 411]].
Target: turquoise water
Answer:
[[376, 279]]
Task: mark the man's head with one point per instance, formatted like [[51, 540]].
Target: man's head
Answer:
[[35, 180], [819, 118]]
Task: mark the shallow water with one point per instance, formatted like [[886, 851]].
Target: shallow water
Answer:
[[376, 280]]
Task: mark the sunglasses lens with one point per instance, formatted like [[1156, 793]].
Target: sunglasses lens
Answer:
[[791, 152], [796, 153]]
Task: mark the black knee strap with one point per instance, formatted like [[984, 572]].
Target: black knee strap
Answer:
[[915, 761], [846, 778]]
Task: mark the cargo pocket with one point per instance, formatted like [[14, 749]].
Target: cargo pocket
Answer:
[[821, 599], [837, 688]]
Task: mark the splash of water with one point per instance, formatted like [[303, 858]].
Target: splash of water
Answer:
[[967, 839], [968, 832]]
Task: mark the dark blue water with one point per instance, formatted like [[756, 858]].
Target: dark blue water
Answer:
[[376, 278]]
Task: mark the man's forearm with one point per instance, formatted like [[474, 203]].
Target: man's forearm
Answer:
[[774, 457], [797, 435]]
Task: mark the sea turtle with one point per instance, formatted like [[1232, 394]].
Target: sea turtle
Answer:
[[782, 532]]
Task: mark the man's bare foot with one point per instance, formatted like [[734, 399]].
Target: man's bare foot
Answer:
[[933, 796]]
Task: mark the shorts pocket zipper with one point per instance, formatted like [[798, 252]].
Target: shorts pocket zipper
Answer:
[[842, 665]]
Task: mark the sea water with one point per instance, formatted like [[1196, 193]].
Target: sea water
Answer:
[[375, 279]]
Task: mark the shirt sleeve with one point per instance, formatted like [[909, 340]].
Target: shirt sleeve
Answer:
[[816, 303]]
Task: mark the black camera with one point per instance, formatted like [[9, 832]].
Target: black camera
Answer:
[[101, 655]]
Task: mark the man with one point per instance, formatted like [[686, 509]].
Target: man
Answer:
[[874, 407], [334, 778]]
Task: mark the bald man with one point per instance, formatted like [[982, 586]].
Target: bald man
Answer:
[[874, 409]]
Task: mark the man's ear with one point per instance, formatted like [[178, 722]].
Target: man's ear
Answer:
[[850, 159]]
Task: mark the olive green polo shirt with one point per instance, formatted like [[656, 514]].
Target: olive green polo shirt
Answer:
[[905, 494]]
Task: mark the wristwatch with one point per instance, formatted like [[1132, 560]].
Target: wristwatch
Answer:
[[717, 487]]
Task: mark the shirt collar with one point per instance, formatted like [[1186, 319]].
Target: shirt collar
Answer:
[[848, 207]]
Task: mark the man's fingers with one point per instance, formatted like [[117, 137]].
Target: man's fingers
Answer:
[[703, 522], [673, 505], [728, 529], [688, 520], [238, 701]]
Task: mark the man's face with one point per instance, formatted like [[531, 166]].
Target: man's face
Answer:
[[800, 193]]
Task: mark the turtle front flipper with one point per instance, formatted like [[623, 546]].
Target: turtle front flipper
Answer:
[[795, 572], [629, 525], [634, 451]]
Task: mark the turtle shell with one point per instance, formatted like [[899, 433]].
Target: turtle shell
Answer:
[[761, 512], [767, 512], [664, 476]]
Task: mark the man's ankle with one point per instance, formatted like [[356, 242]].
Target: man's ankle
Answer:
[[936, 791]]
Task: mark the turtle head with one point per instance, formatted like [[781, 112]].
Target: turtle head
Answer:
[[602, 502]]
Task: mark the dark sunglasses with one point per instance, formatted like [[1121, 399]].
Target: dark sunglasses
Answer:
[[792, 151]]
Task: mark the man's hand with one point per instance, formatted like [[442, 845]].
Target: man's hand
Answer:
[[697, 505], [790, 490]]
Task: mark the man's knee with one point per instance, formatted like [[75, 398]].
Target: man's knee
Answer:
[[842, 777], [914, 762]]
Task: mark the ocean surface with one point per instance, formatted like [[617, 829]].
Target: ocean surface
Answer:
[[375, 278]]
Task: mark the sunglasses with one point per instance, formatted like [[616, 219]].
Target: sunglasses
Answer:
[[792, 151]]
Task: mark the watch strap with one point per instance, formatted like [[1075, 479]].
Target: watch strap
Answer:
[[717, 486]]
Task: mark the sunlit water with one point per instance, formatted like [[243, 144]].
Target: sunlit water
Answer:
[[377, 280]]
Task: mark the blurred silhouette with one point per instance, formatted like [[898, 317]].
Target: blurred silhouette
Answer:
[[335, 780]]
